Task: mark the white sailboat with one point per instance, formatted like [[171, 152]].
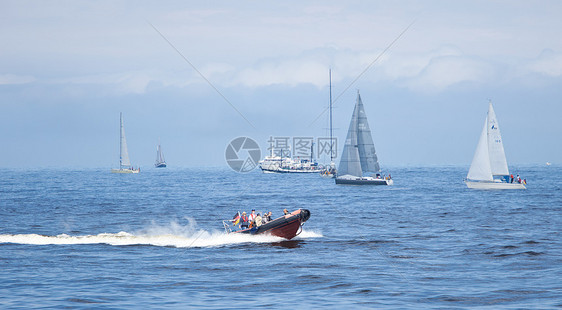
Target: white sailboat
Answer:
[[124, 162], [160, 161], [489, 166], [359, 157]]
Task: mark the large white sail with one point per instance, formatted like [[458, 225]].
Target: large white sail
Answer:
[[350, 161], [123, 152], [365, 145], [480, 169], [496, 152]]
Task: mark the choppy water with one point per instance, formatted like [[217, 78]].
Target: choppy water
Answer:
[[92, 239]]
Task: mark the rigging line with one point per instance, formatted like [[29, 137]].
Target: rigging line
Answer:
[[201, 74], [367, 68]]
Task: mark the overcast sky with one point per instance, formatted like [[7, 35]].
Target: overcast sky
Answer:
[[67, 68]]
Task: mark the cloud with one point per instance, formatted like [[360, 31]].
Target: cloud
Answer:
[[289, 72], [432, 71], [445, 71], [122, 83], [547, 63], [12, 79]]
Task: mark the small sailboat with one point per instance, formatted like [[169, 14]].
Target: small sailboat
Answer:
[[160, 161], [489, 166], [124, 162], [359, 157]]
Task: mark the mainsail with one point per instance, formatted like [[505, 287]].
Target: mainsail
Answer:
[[359, 154], [123, 152], [498, 162], [365, 145]]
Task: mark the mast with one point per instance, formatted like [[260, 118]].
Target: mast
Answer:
[[331, 142], [120, 140]]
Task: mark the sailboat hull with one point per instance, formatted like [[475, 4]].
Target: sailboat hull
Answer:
[[161, 165], [494, 185], [284, 170], [125, 170], [362, 181]]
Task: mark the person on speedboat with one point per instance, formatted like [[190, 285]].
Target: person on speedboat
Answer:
[[244, 222], [266, 217], [258, 220]]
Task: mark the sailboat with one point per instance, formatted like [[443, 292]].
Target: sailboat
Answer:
[[489, 166], [160, 161], [359, 157], [330, 171], [124, 162]]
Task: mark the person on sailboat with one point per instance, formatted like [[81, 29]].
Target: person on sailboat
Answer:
[[518, 179], [511, 178]]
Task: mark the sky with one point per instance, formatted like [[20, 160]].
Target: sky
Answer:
[[197, 75]]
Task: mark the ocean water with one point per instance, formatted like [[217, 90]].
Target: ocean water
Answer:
[[92, 239]]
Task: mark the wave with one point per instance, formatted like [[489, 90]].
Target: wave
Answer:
[[170, 236]]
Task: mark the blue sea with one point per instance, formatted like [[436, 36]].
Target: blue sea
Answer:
[[91, 239]]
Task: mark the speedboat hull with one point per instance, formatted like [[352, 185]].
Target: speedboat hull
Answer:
[[494, 185], [287, 226]]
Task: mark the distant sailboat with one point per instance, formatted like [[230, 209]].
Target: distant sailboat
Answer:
[[359, 156], [489, 166], [160, 162], [124, 162]]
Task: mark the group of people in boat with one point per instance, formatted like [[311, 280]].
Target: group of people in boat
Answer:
[[518, 179], [245, 221], [386, 177]]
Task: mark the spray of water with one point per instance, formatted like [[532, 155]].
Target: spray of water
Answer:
[[171, 235]]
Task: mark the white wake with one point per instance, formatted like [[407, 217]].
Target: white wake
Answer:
[[173, 235]]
